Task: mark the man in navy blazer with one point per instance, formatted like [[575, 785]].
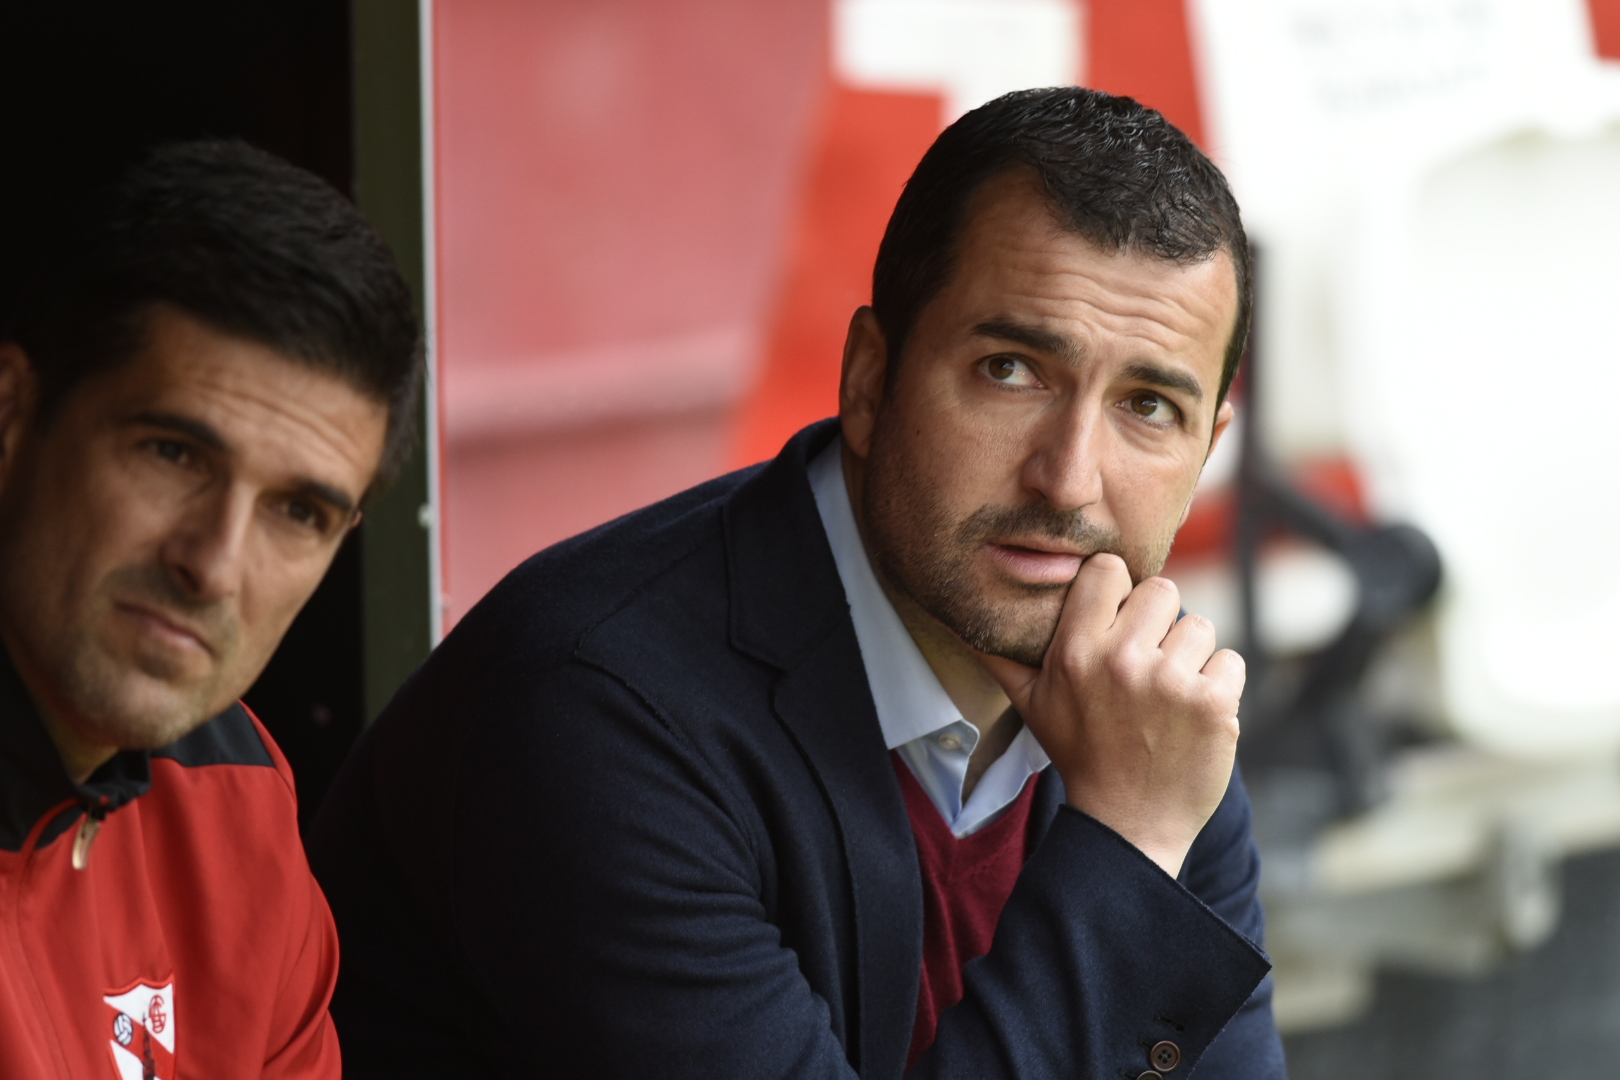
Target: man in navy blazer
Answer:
[[657, 806]]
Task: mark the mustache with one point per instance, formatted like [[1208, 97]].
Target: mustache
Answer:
[[1043, 520]]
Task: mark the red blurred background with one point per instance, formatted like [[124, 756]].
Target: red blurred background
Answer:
[[654, 219]]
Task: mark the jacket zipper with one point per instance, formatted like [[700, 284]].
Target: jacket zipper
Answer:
[[11, 916], [88, 828]]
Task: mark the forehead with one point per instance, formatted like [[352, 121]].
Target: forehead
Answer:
[[1015, 258], [277, 411]]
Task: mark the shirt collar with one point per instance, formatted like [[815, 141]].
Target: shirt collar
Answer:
[[33, 779], [909, 698]]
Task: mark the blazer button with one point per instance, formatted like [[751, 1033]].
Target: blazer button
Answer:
[[1165, 1056], [1151, 1075]]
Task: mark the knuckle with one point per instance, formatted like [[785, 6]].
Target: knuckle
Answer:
[[1199, 625], [1216, 702], [1072, 657], [1162, 585], [1124, 665], [1228, 668]]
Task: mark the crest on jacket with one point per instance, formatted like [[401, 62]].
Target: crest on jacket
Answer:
[[140, 1031]]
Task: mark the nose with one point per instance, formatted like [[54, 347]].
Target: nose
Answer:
[[1065, 464], [206, 553]]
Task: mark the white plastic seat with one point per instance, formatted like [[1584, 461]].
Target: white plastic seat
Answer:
[[1481, 342], [1435, 188]]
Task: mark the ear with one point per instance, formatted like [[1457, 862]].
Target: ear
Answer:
[[17, 392], [860, 387], [1223, 420]]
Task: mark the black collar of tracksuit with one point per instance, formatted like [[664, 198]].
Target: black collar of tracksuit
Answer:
[[33, 780]]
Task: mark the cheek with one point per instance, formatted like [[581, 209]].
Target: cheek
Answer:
[[87, 519], [274, 590], [1149, 492], [126, 497], [971, 453]]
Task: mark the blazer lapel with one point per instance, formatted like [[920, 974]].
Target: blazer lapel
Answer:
[[788, 610], [1049, 796]]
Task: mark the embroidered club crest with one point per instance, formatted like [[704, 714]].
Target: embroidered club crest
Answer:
[[140, 1026]]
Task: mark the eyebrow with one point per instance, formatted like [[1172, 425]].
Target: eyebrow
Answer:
[[1033, 337], [1168, 378], [327, 494], [1070, 352], [183, 425], [201, 433]]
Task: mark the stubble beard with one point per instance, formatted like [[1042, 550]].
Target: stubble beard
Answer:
[[934, 561], [145, 700]]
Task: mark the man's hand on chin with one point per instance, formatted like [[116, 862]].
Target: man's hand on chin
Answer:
[[1136, 709]]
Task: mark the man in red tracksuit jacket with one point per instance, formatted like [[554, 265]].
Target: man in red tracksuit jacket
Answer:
[[212, 370]]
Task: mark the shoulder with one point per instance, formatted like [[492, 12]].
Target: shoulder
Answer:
[[220, 838], [240, 913], [544, 607], [512, 663], [234, 737], [623, 637], [231, 754]]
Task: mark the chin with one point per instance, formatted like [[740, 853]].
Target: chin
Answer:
[[1029, 651], [147, 731], [135, 711], [1018, 632]]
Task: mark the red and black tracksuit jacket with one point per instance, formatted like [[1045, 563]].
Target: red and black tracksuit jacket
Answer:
[[159, 920]]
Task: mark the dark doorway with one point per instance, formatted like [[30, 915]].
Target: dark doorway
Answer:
[[84, 89]]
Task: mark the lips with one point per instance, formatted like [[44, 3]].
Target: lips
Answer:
[[1036, 565], [167, 628]]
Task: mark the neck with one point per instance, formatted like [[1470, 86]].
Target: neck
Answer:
[[972, 689], [81, 756]]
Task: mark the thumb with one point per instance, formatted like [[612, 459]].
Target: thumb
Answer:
[[1018, 680]]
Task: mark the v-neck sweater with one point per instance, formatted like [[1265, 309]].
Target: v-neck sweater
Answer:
[[966, 881]]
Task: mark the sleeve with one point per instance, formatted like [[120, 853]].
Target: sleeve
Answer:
[[627, 933], [1223, 871], [302, 1041], [1099, 958]]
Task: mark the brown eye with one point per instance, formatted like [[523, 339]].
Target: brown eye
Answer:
[[306, 513], [1009, 371], [1147, 405], [170, 450]]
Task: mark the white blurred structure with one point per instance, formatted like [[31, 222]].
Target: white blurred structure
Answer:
[[1486, 354], [1435, 187], [968, 51]]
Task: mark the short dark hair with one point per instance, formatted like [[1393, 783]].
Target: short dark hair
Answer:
[[244, 242], [1117, 173]]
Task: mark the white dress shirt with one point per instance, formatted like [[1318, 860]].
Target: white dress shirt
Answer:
[[917, 716]]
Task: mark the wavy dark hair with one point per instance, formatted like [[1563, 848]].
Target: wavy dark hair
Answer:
[[246, 243], [1117, 173]]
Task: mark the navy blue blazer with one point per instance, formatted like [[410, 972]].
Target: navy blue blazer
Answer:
[[635, 818]]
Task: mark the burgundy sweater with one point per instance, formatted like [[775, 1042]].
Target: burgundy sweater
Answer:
[[965, 884]]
